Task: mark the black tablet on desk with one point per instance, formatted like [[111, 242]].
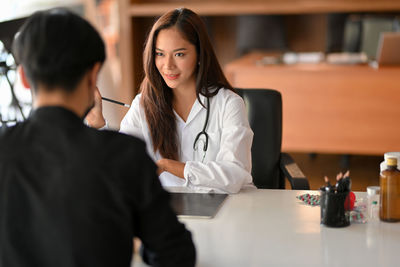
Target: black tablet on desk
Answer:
[[196, 205]]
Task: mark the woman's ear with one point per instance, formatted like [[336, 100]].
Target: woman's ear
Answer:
[[23, 77]]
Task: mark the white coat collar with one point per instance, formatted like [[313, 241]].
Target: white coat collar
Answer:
[[196, 108]]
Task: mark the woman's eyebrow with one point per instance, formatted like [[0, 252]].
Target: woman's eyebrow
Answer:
[[175, 50]]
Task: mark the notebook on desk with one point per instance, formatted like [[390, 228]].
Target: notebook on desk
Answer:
[[388, 52], [196, 205]]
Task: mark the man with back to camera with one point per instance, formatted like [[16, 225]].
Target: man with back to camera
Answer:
[[71, 195]]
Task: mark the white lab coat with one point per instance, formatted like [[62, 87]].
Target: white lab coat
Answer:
[[226, 166]]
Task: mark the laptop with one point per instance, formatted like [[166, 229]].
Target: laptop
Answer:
[[388, 52]]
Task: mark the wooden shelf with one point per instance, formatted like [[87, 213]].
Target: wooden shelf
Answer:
[[307, 20], [223, 8]]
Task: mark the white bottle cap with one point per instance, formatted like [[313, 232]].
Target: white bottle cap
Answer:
[[392, 155], [373, 190], [387, 155]]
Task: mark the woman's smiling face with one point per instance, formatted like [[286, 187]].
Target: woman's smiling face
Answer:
[[176, 59]]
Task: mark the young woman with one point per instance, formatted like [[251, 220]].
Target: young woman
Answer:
[[195, 126]]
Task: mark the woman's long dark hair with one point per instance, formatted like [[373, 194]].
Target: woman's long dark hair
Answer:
[[157, 96]]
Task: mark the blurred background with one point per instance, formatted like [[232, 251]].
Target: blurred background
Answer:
[[315, 31]]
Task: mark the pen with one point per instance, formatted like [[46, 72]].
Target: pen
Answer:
[[116, 102]]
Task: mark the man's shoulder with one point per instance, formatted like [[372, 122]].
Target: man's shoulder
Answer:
[[13, 140], [113, 137], [120, 145], [8, 132]]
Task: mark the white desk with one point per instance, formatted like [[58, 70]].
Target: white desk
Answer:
[[258, 228]]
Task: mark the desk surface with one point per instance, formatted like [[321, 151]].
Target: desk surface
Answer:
[[272, 228], [346, 109]]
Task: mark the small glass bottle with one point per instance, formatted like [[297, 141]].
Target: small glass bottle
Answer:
[[390, 192], [373, 193]]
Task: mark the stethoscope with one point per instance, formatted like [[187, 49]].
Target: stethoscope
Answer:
[[203, 132]]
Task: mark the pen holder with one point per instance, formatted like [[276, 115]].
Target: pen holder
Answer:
[[333, 213]]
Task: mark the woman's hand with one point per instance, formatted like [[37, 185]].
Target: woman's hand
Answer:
[[95, 117], [171, 166]]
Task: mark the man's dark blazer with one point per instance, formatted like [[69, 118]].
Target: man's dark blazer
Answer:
[[71, 195]]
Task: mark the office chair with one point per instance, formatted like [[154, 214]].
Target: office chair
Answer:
[[269, 165]]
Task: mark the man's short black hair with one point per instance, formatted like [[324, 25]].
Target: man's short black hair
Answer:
[[56, 47]]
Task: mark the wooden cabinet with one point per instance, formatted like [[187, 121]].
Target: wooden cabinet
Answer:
[[329, 108], [306, 21]]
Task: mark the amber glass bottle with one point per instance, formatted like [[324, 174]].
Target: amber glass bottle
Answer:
[[390, 192]]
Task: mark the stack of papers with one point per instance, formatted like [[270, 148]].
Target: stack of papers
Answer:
[[347, 58], [304, 57]]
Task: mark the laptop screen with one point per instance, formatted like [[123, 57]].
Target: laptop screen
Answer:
[[388, 52]]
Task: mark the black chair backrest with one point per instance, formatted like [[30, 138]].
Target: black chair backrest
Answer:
[[264, 107]]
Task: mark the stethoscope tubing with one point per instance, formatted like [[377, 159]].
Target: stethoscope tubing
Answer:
[[205, 147]]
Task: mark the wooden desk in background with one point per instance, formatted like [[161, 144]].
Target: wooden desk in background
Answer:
[[306, 18], [347, 109]]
